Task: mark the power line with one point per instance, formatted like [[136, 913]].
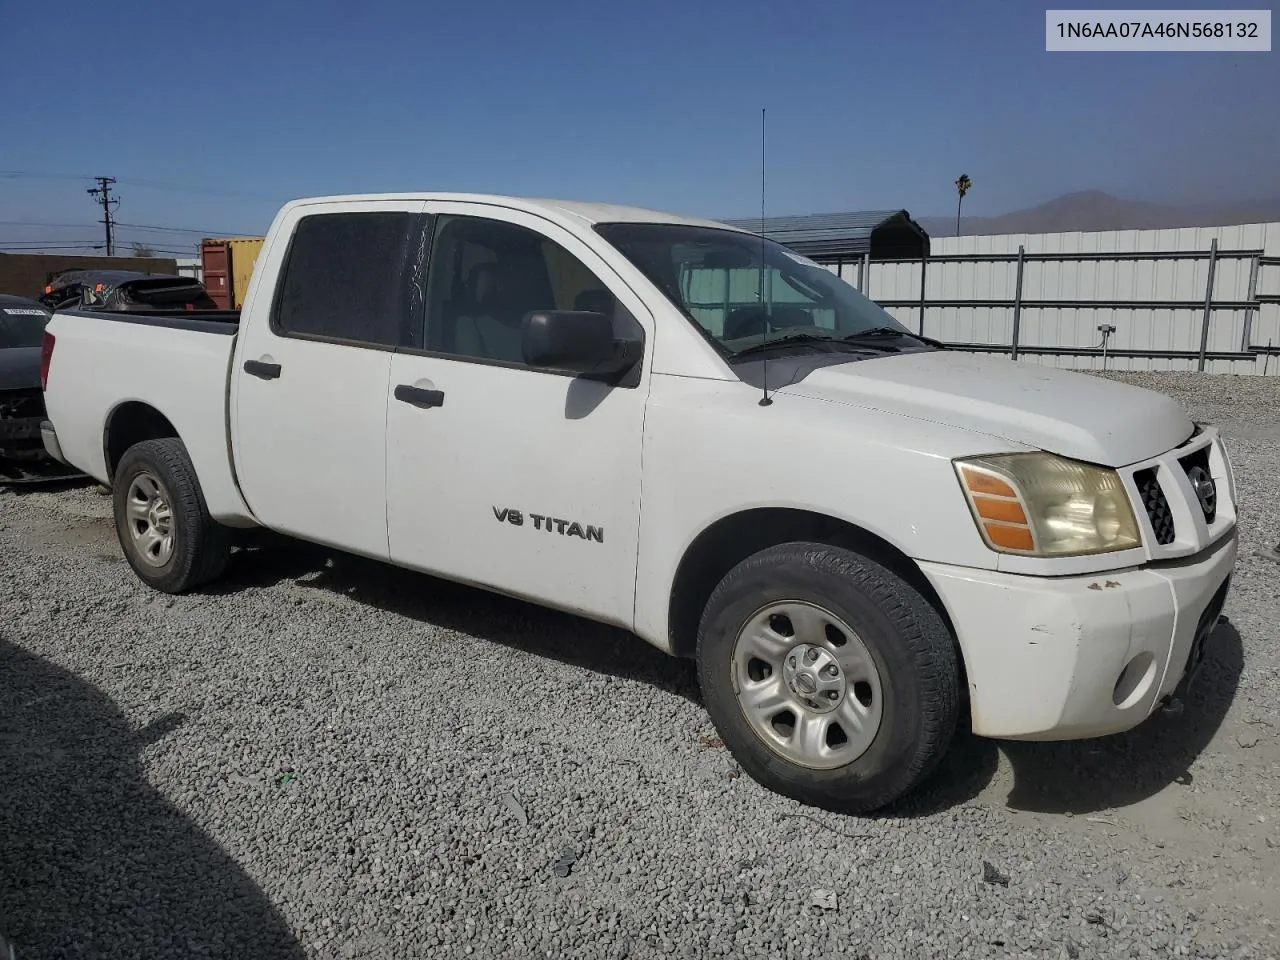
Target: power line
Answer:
[[41, 243], [119, 241], [203, 233], [42, 223], [27, 175], [166, 241], [144, 184], [37, 248], [185, 251], [206, 191], [150, 228], [102, 192], [52, 246]]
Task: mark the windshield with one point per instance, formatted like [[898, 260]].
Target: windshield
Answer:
[[715, 278], [21, 326]]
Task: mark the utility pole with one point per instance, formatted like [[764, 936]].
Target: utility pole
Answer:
[[102, 193]]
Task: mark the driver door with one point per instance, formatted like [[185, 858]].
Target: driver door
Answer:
[[520, 480]]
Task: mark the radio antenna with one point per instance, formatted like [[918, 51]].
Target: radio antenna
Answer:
[[764, 314]]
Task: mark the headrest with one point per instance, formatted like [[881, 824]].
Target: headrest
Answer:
[[485, 284], [744, 322]]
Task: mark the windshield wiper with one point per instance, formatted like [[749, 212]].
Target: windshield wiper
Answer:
[[878, 333], [780, 341]]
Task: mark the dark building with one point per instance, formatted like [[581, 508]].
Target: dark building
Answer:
[[845, 237]]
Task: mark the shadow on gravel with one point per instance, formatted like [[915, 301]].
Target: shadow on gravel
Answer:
[[966, 770], [1084, 776], [44, 485], [513, 623], [93, 861], [1081, 776]]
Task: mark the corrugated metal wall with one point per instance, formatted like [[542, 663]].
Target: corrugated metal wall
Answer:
[[1231, 328], [190, 267]]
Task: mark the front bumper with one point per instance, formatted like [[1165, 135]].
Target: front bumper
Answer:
[[1060, 658]]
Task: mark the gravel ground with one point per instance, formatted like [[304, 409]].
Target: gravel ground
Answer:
[[326, 757]]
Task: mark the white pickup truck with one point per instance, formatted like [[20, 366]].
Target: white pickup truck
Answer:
[[687, 431]]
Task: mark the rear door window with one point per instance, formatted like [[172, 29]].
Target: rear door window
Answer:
[[351, 277]]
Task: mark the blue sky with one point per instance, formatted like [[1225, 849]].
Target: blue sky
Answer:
[[239, 106]]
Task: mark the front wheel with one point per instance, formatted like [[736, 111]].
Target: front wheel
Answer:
[[162, 522], [831, 679]]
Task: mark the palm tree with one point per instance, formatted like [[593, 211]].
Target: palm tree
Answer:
[[963, 183]]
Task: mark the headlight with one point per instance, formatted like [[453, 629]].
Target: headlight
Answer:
[[1044, 505], [1221, 446]]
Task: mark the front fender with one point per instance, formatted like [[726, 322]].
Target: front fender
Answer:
[[711, 451]]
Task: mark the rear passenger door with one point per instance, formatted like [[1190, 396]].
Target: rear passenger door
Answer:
[[519, 479], [309, 380]]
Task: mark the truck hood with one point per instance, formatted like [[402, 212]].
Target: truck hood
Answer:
[[19, 368], [1071, 414]]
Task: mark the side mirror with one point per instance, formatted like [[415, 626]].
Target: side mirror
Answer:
[[577, 341]]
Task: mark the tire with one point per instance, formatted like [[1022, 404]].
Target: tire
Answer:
[[197, 547], [894, 692]]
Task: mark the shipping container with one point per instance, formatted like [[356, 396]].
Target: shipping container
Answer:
[[227, 266]]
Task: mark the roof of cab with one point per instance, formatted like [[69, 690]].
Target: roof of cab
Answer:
[[582, 211]]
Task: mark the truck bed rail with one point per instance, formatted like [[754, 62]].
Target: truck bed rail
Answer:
[[201, 321]]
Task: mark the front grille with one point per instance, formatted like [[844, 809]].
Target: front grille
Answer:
[[1157, 506], [1197, 468]]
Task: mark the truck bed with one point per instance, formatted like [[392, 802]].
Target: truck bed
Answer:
[[199, 321], [110, 366]]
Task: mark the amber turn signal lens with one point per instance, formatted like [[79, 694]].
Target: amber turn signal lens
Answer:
[[1011, 538], [1010, 511], [1041, 504], [999, 511], [978, 482]]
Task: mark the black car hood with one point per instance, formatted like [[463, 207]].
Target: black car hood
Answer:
[[19, 368]]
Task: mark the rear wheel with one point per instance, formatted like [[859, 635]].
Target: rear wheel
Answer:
[[162, 522], [831, 679]]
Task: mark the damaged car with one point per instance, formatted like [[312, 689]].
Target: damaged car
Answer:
[[128, 290], [22, 453]]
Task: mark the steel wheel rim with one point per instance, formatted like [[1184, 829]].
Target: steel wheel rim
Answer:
[[807, 684], [149, 518]]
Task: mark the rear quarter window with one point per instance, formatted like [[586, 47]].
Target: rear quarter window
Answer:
[[347, 277]]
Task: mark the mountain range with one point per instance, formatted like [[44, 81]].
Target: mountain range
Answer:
[[1095, 210]]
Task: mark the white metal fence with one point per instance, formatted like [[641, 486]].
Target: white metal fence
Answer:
[[1184, 299], [1172, 296]]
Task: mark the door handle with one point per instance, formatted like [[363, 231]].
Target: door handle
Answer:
[[261, 369], [418, 396]]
